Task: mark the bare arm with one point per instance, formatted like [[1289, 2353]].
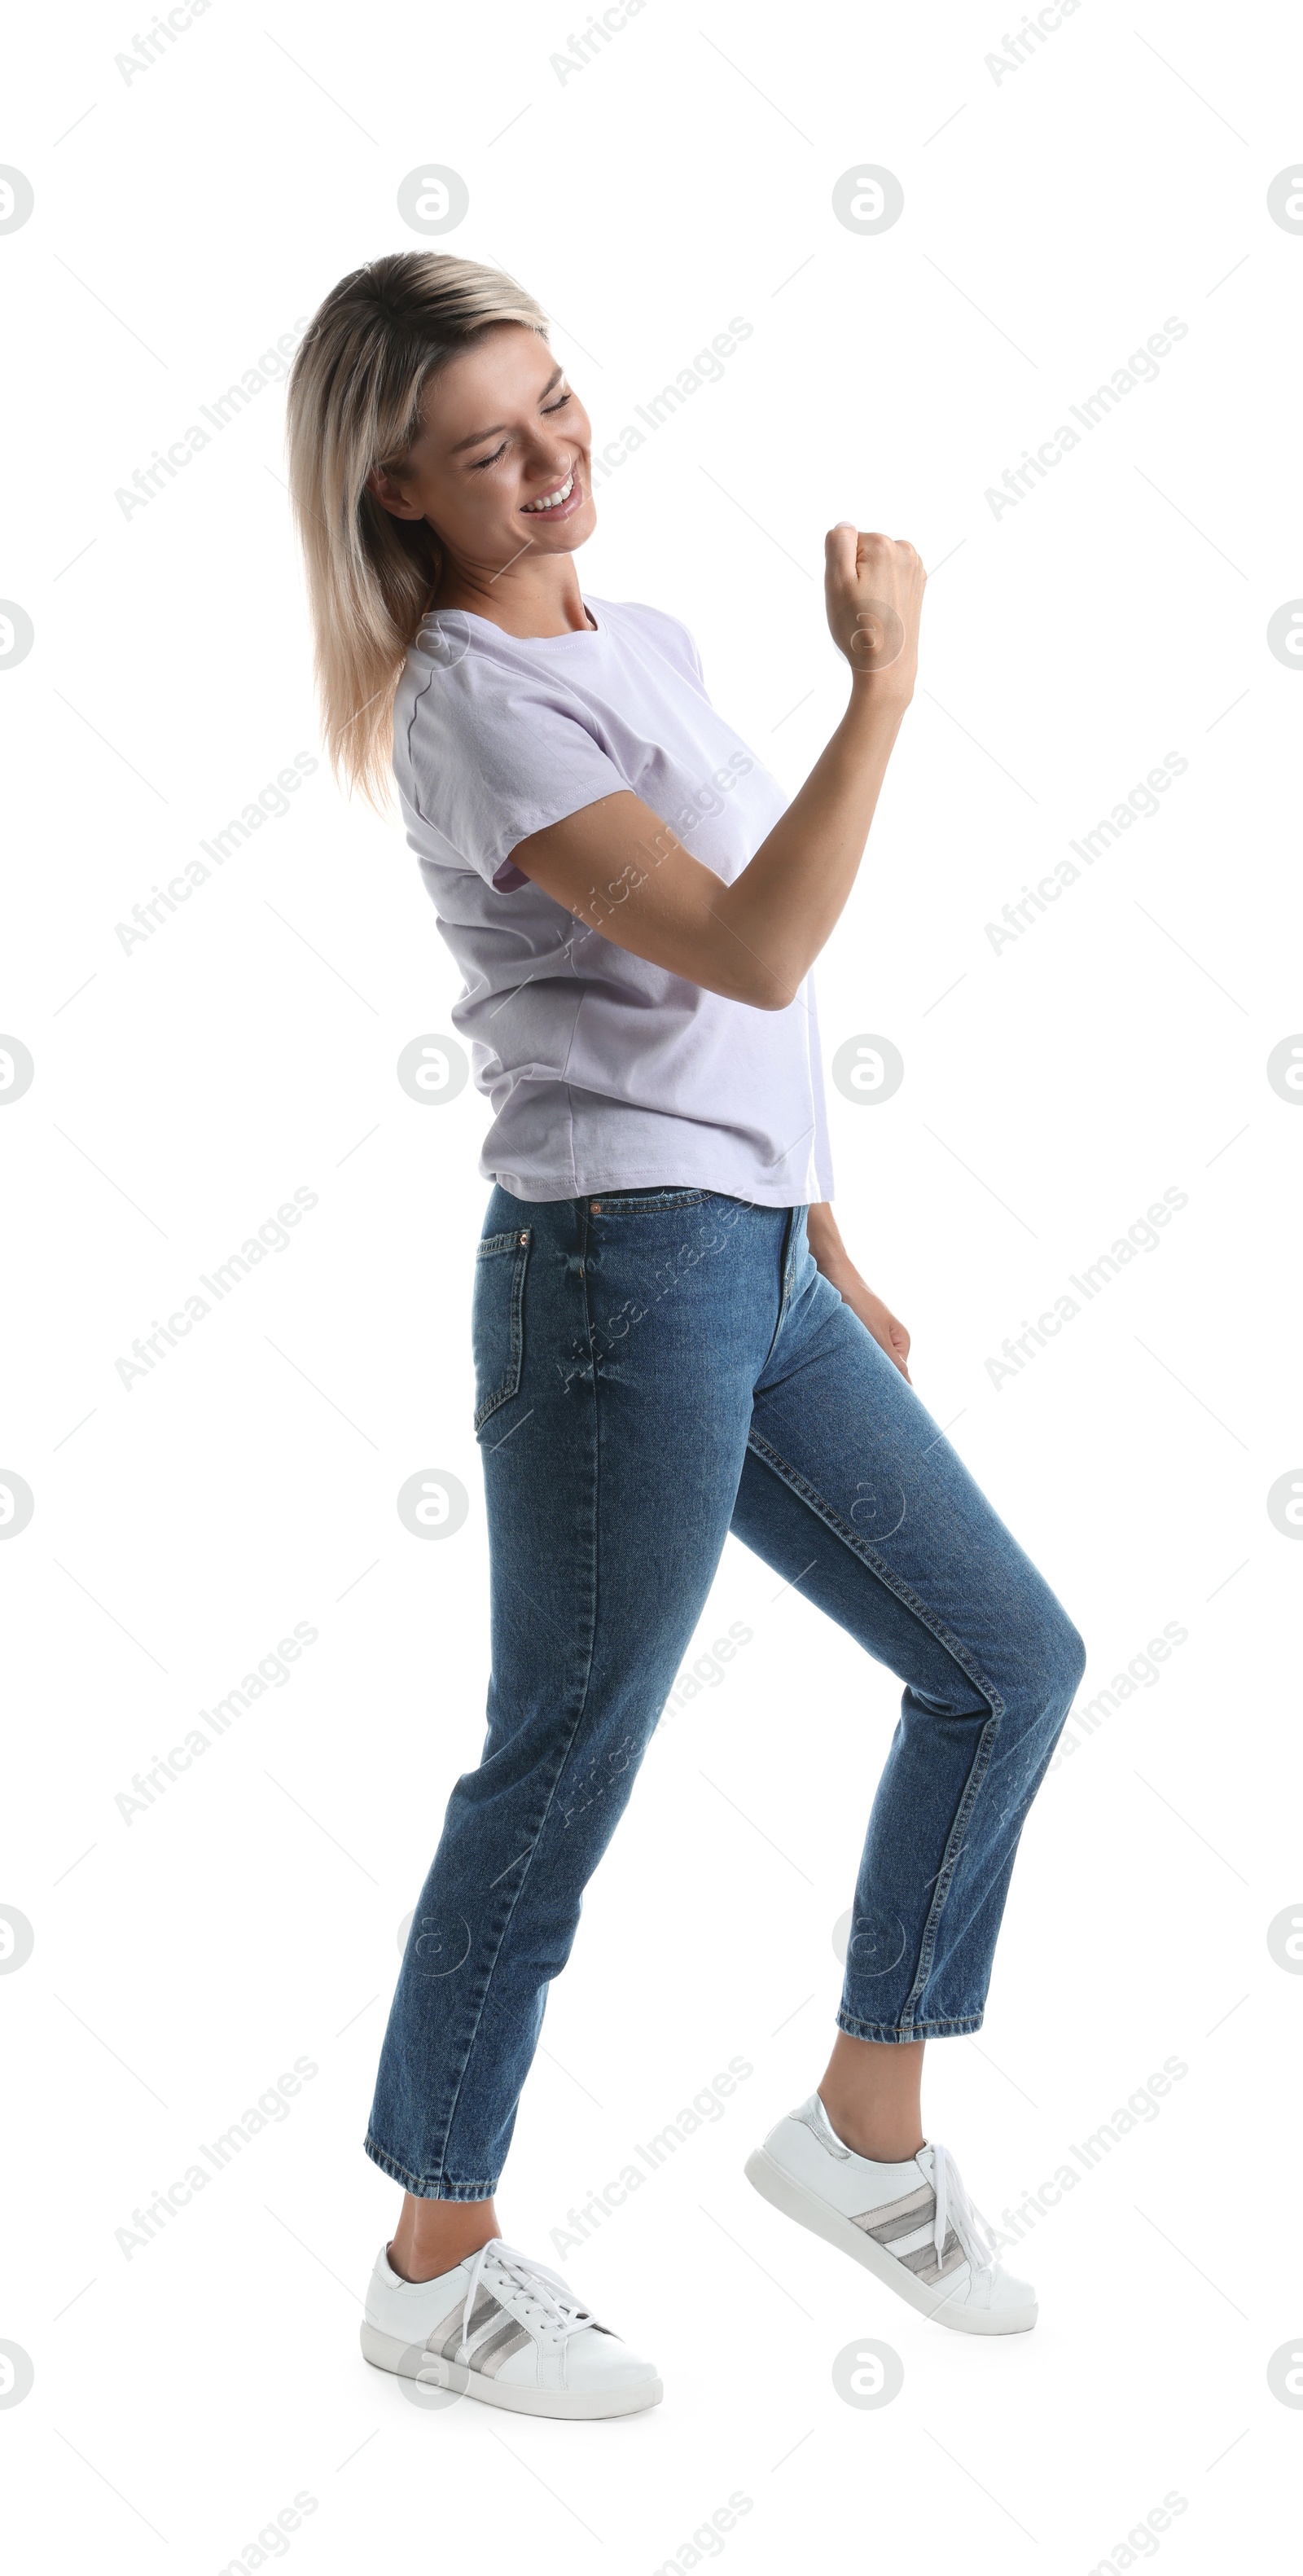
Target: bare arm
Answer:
[[823, 1234], [621, 871]]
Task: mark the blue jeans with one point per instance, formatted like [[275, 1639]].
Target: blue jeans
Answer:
[[653, 1370]]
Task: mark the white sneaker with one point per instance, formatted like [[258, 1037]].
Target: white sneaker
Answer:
[[505, 2329], [911, 2224]]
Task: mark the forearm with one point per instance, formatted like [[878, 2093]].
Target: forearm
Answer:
[[831, 1257], [823, 1235], [784, 906], [623, 872]]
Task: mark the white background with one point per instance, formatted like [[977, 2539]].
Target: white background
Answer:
[[1053, 219]]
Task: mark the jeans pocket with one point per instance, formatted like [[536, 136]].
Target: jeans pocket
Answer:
[[498, 1319]]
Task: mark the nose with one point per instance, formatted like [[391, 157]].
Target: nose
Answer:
[[553, 479]]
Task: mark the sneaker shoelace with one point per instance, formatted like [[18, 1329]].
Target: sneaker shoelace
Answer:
[[953, 2207], [563, 2312]]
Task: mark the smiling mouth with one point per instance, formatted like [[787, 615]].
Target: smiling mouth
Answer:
[[551, 500]]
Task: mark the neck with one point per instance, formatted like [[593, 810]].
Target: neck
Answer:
[[524, 598]]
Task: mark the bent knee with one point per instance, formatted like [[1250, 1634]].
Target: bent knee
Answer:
[[1050, 1658], [1063, 1659]]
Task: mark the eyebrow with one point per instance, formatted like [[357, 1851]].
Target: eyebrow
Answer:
[[479, 436]]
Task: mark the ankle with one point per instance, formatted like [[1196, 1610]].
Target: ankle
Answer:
[[871, 2093], [411, 2266], [433, 2236], [885, 2138], [888, 2147]]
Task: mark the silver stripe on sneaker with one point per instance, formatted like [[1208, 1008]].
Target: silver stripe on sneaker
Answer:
[[924, 2264], [470, 2351], [485, 2309], [892, 2224], [434, 2342], [500, 2346], [899, 2217], [902, 2245]]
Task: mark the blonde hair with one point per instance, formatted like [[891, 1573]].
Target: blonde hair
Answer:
[[353, 402]]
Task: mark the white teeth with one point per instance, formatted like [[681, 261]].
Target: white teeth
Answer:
[[553, 497]]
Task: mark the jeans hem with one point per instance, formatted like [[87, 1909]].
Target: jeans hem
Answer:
[[422, 2186], [893, 2031]]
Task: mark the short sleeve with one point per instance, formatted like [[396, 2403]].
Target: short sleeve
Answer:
[[488, 755]]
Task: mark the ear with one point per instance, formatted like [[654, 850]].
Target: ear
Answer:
[[391, 496]]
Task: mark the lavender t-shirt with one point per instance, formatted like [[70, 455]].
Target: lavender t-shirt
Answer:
[[604, 1072]]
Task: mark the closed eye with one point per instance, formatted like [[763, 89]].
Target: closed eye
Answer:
[[499, 452]]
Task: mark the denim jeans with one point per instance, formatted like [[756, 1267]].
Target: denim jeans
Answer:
[[654, 1369]]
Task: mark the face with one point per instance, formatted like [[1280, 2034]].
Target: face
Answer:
[[502, 433]]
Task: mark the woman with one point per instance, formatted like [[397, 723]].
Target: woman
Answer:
[[670, 1338]]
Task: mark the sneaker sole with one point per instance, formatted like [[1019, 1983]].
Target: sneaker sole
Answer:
[[796, 2201], [412, 2361]]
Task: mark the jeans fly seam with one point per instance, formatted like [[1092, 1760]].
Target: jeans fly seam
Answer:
[[785, 1281]]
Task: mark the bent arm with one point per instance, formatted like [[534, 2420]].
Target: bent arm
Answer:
[[620, 870]]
